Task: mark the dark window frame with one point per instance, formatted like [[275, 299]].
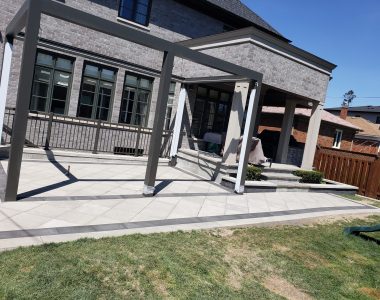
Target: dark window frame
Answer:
[[98, 79], [136, 89], [53, 69], [208, 99], [134, 13]]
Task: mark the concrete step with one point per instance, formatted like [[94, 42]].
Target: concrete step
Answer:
[[280, 177], [278, 168]]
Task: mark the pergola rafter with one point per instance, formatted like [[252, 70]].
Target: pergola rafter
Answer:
[[29, 17]]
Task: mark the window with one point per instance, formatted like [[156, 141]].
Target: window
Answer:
[[51, 83], [211, 111], [136, 100], [137, 11], [338, 138], [378, 120], [96, 92], [169, 109]]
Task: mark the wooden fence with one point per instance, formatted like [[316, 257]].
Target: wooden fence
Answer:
[[358, 169]]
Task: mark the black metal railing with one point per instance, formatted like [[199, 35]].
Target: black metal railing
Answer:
[[53, 131]]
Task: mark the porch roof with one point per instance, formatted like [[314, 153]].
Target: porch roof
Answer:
[[305, 112]]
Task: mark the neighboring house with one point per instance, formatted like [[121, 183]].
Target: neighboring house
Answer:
[[368, 139], [87, 74], [334, 132], [369, 112]]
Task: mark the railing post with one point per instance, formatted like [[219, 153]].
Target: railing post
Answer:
[[48, 134], [97, 134], [138, 141]]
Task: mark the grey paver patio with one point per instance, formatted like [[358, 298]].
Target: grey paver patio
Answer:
[[100, 199]]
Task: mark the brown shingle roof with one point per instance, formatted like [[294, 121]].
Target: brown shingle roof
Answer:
[[369, 129]]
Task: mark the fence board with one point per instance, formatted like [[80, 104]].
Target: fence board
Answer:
[[358, 169]]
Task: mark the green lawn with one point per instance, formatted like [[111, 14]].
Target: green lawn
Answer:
[[363, 200], [295, 262]]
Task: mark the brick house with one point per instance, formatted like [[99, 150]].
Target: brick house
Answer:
[[368, 139], [369, 112], [334, 132], [88, 75]]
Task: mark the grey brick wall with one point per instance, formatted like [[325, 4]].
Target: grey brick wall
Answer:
[[279, 71]]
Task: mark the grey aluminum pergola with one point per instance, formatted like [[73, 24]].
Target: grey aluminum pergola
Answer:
[[29, 17]]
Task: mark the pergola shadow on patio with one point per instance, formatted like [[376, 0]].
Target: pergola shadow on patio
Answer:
[[65, 179], [29, 17]]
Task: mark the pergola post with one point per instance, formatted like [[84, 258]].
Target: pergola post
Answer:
[[235, 122], [312, 136], [178, 122], [23, 98], [4, 80], [247, 137], [158, 124], [286, 132]]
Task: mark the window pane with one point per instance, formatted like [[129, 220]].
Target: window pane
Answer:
[[61, 79], [87, 98], [42, 74], [202, 92], [108, 75], [40, 89], [143, 96], [89, 85], [141, 19], [45, 59], [38, 104], [60, 92], [57, 107], [142, 9], [214, 94], [224, 97], [91, 71], [170, 100], [102, 114], [141, 108], [85, 111], [64, 64], [145, 83], [172, 88], [131, 80]]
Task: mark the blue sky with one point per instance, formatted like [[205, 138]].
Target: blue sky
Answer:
[[344, 32]]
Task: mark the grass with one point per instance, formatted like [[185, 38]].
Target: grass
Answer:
[[295, 262], [363, 200]]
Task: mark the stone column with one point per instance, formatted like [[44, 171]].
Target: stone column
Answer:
[[312, 136], [286, 132], [235, 123]]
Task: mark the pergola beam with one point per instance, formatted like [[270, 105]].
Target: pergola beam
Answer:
[[19, 20]]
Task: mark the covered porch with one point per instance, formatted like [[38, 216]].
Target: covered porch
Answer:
[[214, 118]]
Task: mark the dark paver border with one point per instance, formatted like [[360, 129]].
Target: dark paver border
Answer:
[[167, 222]]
